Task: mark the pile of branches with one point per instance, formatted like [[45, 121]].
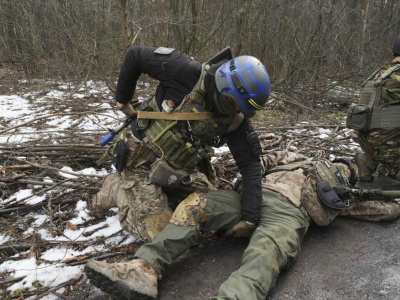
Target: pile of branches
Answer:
[[30, 164]]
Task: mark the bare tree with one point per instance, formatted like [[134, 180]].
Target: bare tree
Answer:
[[306, 45]]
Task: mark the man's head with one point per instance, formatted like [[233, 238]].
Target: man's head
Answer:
[[396, 47], [245, 80]]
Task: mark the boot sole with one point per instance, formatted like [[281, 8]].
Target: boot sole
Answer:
[[116, 288]]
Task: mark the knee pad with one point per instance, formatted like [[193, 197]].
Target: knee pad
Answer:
[[190, 212]]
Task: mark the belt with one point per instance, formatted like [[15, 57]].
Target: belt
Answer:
[[305, 213]]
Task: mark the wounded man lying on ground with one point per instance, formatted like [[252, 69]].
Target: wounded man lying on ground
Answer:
[[296, 192]]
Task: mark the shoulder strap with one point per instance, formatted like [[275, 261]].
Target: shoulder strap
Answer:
[[387, 73], [383, 76], [199, 86], [177, 116]]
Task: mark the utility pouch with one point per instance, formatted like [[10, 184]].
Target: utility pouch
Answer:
[[254, 143], [163, 174], [358, 117], [120, 155]]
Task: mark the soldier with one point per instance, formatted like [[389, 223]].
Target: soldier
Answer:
[[296, 192], [376, 121], [195, 107]]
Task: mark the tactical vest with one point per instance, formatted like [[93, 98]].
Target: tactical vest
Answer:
[[366, 114], [287, 179], [183, 144]]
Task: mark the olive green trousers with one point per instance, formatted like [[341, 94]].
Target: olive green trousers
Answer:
[[273, 246]]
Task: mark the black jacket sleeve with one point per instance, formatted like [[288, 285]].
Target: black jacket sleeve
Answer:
[[176, 72], [250, 167]]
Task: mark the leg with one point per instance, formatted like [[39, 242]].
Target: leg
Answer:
[[372, 210], [106, 197], [143, 207], [138, 278], [366, 166], [273, 247], [380, 145], [214, 210]]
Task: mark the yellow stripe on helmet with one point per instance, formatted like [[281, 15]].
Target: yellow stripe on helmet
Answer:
[[254, 104]]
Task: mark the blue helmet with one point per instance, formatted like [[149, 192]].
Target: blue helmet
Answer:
[[245, 80]]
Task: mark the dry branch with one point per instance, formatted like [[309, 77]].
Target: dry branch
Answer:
[[58, 170], [16, 279], [53, 115]]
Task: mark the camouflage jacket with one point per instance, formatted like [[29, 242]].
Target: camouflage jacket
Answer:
[[390, 94]]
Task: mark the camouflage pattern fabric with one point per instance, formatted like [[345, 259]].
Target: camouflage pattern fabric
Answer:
[[390, 94], [278, 158], [372, 210], [382, 146], [106, 197], [287, 177], [366, 166], [288, 184], [143, 207]]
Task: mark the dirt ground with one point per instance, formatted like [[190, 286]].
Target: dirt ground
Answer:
[[349, 259]]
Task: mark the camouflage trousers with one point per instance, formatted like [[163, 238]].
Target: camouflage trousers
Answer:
[[372, 210], [382, 147], [274, 245], [144, 207]]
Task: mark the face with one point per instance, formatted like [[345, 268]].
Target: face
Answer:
[[344, 170]]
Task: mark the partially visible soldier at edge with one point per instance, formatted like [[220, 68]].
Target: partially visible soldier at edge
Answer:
[[296, 193], [376, 119], [159, 156]]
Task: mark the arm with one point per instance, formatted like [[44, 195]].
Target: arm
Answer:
[[250, 168], [176, 72], [126, 108], [278, 158]]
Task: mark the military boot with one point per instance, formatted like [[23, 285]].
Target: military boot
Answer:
[[366, 166], [136, 279]]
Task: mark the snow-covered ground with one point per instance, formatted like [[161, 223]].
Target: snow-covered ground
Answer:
[[49, 268]]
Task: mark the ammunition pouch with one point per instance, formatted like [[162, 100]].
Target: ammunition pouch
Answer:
[[358, 117], [120, 155], [163, 174]]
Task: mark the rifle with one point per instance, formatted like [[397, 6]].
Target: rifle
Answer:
[[109, 137], [368, 193], [225, 53]]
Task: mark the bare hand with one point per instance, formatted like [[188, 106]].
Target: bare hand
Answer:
[[127, 109]]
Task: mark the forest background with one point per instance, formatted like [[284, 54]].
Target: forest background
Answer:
[[308, 46], [56, 56]]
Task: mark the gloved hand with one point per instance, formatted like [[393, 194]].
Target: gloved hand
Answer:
[[241, 229]]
